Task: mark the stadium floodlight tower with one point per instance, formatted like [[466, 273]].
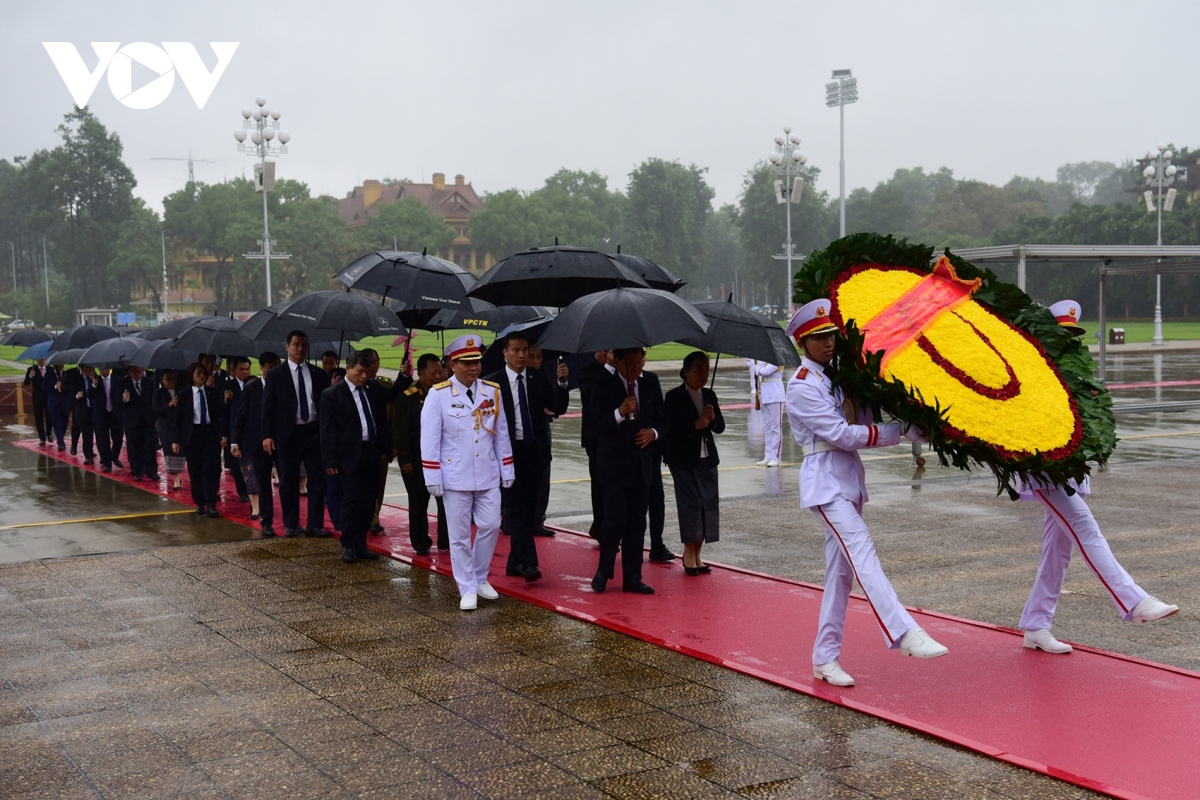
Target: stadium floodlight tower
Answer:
[[786, 161], [1160, 173], [261, 126], [841, 92]]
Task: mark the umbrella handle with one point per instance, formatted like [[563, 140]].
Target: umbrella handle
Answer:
[[713, 381]]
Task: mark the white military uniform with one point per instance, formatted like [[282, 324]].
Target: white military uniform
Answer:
[[466, 450], [833, 485], [752, 365], [772, 395]]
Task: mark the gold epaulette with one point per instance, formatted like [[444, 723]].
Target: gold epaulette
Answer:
[[385, 381], [442, 385], [490, 383], [414, 389]]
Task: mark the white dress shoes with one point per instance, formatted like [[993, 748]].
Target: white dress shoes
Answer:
[[468, 602], [917, 643], [765, 462], [1151, 608], [487, 592], [1044, 640], [772, 463], [833, 673]]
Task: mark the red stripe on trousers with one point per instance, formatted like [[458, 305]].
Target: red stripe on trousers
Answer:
[[1083, 552], [846, 550]]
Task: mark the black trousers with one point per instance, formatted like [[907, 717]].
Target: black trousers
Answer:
[[358, 499], [58, 418], [597, 495], [624, 528], [204, 465], [418, 513], [234, 465], [266, 495], [82, 427], [543, 500], [657, 510], [108, 440], [518, 504], [303, 447], [41, 417], [142, 450]]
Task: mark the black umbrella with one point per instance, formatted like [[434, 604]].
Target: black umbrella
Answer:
[[82, 337], [112, 353], [655, 275], [218, 336], [418, 280], [163, 355], [739, 332], [27, 338], [175, 328], [619, 318], [552, 276], [65, 357], [325, 315], [422, 318], [489, 319]]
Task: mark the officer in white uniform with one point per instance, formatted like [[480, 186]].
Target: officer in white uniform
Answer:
[[1069, 523], [830, 430], [771, 394], [467, 456]]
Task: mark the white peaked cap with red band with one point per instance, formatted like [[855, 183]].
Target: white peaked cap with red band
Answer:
[[1068, 313], [812, 318], [468, 347]]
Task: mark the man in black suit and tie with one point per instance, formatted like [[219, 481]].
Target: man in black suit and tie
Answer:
[[75, 385], [354, 434], [527, 396], [106, 417], [41, 415], [233, 384], [246, 437], [141, 432], [627, 413], [658, 499], [589, 375], [291, 397]]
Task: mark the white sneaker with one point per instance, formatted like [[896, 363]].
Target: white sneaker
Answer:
[[1044, 640], [487, 592], [1151, 608], [917, 643], [763, 463], [468, 602], [772, 463], [833, 673]]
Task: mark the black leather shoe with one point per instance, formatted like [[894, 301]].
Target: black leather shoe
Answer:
[[268, 531], [532, 574], [87, 462], [348, 555], [423, 553], [543, 532], [213, 513], [693, 571], [369, 555], [376, 529], [154, 478], [599, 583], [637, 588], [291, 533], [663, 555], [705, 569], [74, 450], [106, 469], [243, 498], [317, 533], [514, 572], [118, 464], [199, 510]]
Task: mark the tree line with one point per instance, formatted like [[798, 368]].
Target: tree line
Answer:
[[76, 201]]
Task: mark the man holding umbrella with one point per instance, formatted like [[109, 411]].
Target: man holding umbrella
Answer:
[[466, 457]]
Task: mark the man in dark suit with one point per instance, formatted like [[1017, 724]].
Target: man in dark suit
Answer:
[[406, 438], [291, 397], [589, 375], [105, 396], [232, 385], [245, 440], [626, 412], [141, 433], [76, 382], [658, 499], [527, 396], [354, 434], [41, 415], [385, 391]]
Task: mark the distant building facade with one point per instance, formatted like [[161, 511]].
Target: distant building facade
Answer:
[[455, 203], [190, 290]]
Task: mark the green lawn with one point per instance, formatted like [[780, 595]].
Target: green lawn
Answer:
[[1143, 330], [9, 353]]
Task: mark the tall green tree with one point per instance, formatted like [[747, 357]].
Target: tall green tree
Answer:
[[320, 244], [138, 253], [666, 213], [222, 220], [407, 224]]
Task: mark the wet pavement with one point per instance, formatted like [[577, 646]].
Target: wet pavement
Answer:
[[268, 669]]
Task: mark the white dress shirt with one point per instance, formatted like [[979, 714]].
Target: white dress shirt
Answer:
[[197, 391], [637, 395], [518, 428], [294, 371], [360, 399]]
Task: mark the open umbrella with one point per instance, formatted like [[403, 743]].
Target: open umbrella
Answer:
[[552, 276], [218, 336], [27, 338], [112, 353], [325, 315], [65, 357], [655, 275], [39, 350], [619, 318], [175, 328], [493, 318], [163, 355], [739, 332], [82, 337], [418, 280], [422, 318]]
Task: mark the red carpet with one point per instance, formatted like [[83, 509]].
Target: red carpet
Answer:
[[1118, 725]]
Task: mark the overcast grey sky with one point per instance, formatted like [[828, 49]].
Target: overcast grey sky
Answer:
[[508, 92]]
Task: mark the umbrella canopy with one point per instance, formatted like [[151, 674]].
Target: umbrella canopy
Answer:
[[326, 315], [39, 350], [655, 275], [163, 355], [82, 337], [739, 332], [112, 353], [175, 328], [422, 318], [218, 336], [619, 318], [27, 338], [417, 280], [65, 357], [489, 319], [552, 276]]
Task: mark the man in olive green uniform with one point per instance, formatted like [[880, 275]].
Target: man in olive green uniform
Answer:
[[406, 431]]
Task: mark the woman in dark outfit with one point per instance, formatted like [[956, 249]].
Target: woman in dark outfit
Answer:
[[198, 427], [165, 404], [693, 416]]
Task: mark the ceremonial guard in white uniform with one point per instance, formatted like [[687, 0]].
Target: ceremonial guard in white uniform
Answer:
[[772, 399], [467, 456], [1069, 523], [830, 430]]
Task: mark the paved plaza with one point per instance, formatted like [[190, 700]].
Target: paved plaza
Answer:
[[164, 656]]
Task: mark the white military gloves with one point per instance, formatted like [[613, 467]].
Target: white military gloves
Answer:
[[435, 489], [506, 484]]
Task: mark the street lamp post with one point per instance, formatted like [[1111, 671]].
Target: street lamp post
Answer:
[[1160, 173], [13, 249], [786, 161], [263, 126], [841, 92]]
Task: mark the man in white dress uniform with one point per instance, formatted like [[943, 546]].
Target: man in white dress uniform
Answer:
[[772, 399]]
